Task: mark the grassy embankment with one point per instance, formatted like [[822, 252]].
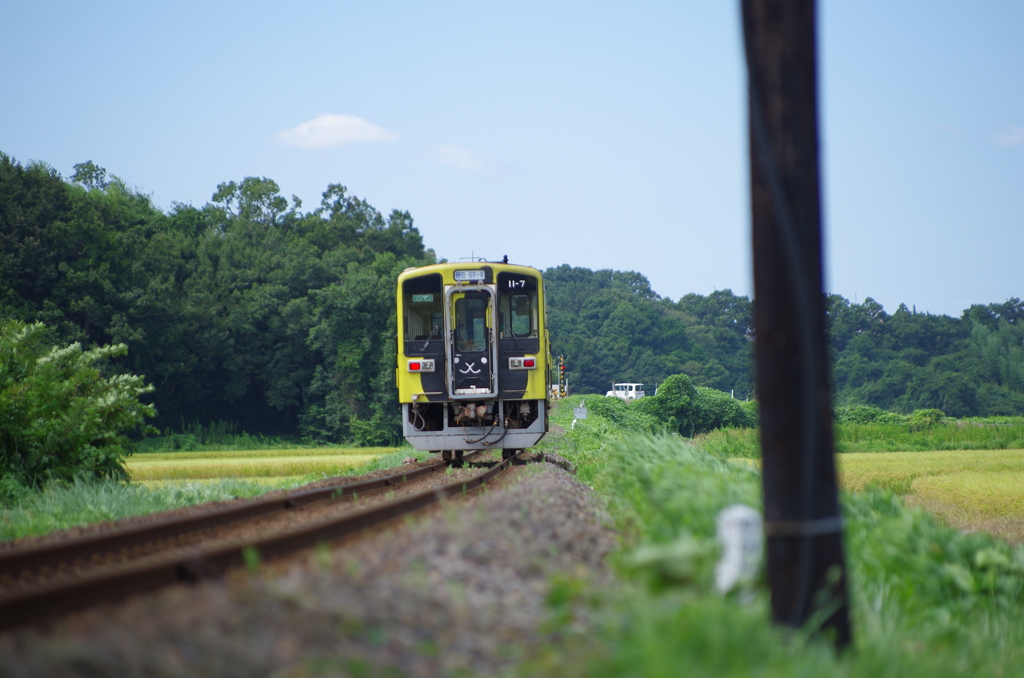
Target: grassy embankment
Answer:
[[927, 600], [169, 480]]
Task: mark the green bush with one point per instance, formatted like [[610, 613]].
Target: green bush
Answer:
[[622, 413], [867, 414], [687, 410], [672, 404], [920, 420], [857, 414], [59, 416], [753, 411], [716, 409]]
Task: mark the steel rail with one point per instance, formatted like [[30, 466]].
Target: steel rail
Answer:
[[16, 561], [191, 564]]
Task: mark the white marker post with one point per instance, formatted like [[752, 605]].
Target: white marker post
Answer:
[[742, 539]]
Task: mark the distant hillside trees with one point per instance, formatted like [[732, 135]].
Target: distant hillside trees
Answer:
[[967, 366], [247, 309]]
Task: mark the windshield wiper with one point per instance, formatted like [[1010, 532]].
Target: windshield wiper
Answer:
[[514, 337], [429, 337]]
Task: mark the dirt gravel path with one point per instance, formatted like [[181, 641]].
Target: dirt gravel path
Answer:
[[459, 590]]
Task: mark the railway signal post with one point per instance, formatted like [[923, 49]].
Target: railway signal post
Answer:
[[563, 385], [806, 568]]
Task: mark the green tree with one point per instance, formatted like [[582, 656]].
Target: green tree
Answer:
[[90, 175], [59, 415]]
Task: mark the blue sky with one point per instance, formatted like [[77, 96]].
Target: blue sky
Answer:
[[604, 135]]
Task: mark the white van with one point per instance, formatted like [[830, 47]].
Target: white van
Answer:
[[626, 391]]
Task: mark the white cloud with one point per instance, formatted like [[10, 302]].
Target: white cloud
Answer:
[[1010, 135], [948, 131], [458, 157], [329, 129]]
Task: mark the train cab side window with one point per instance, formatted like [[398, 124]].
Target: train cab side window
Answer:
[[423, 300], [517, 307], [521, 314]]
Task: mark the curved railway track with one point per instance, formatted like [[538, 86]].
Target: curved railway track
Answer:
[[44, 581]]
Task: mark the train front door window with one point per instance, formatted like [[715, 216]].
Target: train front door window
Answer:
[[471, 354], [471, 324]]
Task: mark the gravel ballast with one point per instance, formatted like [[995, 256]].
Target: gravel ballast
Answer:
[[459, 590]]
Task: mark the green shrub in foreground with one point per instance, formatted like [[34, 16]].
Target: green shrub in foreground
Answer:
[[59, 416]]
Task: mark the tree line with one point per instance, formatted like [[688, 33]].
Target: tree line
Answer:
[[253, 310], [612, 326]]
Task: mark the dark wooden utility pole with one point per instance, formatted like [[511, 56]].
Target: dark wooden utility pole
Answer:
[[806, 568]]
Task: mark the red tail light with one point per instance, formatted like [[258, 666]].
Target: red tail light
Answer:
[[524, 363], [421, 365]]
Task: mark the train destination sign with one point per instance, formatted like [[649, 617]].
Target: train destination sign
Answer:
[[463, 276]]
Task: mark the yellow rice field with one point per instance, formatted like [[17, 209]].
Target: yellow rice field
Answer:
[[249, 464], [969, 489], [898, 471]]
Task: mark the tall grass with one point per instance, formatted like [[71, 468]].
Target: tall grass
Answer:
[[730, 443], [927, 600], [965, 435], [85, 501]]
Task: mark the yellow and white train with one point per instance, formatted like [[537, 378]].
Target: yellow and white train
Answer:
[[473, 357]]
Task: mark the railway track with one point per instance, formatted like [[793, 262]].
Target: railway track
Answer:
[[45, 581]]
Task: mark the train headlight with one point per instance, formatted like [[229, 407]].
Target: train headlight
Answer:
[[524, 363], [421, 365]]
